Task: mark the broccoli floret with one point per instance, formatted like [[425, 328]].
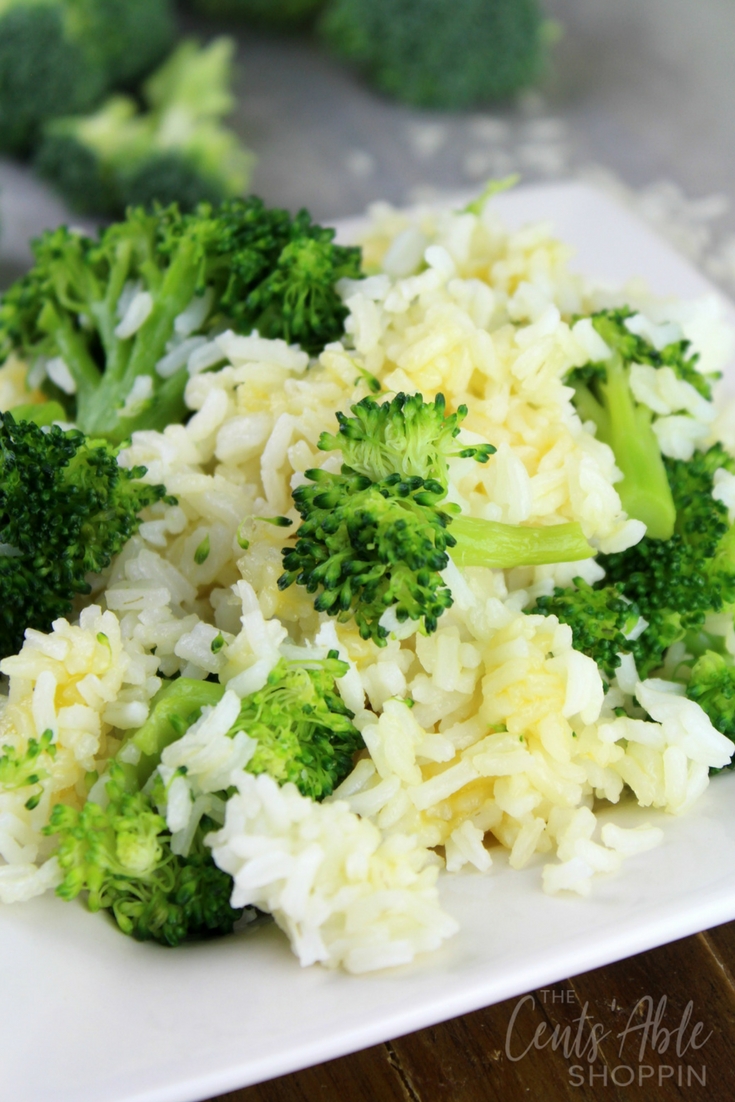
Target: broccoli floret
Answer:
[[46, 69], [121, 856], [276, 14], [134, 35], [304, 730], [676, 582], [121, 853], [673, 584], [712, 686], [377, 535], [66, 508], [114, 310], [82, 154], [58, 57], [439, 53], [177, 151], [600, 619]]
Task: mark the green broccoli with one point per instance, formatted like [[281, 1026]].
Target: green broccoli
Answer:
[[134, 35], [121, 856], [66, 508], [377, 534], [276, 14], [45, 70], [439, 53], [120, 315], [673, 584], [177, 151], [304, 731], [603, 396], [601, 620], [60, 56], [80, 154], [677, 582], [712, 686]]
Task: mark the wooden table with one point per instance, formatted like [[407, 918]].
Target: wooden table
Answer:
[[656, 1027]]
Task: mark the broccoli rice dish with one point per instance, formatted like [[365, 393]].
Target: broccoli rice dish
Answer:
[[327, 572]]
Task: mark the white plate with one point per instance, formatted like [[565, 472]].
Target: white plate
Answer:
[[87, 1015]]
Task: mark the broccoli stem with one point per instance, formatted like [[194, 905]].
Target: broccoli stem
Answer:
[[644, 491], [502, 546], [99, 412], [174, 708]]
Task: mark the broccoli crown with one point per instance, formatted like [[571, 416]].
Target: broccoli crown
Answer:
[[251, 267], [305, 733], [278, 14], [80, 154], [405, 436], [600, 619], [121, 855], [170, 177], [712, 686], [676, 582], [45, 70], [439, 53], [58, 57], [368, 546], [177, 151], [375, 536], [66, 508]]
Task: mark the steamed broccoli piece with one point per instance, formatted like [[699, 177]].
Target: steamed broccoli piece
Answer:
[[66, 508], [439, 53], [121, 856], [377, 535], [58, 57], [603, 396], [674, 584], [304, 730], [177, 151], [120, 853], [134, 35], [238, 265], [275, 14], [712, 686], [601, 620], [677, 582], [46, 69], [82, 154]]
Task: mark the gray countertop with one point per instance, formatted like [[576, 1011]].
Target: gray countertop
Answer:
[[641, 88]]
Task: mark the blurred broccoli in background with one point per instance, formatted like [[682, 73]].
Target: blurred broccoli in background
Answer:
[[177, 151], [440, 53], [61, 56], [278, 14]]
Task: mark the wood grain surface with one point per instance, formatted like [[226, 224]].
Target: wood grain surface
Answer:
[[657, 1027]]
